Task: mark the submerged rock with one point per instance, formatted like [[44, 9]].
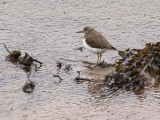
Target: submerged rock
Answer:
[[136, 68]]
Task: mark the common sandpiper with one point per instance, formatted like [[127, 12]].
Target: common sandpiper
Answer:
[[95, 42]]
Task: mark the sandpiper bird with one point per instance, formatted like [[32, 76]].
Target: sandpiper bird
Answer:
[[95, 42]]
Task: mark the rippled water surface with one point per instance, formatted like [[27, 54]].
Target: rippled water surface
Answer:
[[46, 30]]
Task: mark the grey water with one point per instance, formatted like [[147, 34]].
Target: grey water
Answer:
[[46, 30]]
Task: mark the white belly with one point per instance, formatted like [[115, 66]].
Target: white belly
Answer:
[[94, 50]]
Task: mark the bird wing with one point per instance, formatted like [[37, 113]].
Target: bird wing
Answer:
[[98, 41]]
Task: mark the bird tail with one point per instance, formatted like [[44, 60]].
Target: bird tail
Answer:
[[114, 48]]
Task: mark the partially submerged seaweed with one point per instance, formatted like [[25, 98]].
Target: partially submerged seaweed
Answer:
[[27, 63], [28, 87], [30, 84], [15, 57], [136, 68]]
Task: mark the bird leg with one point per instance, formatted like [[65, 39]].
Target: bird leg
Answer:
[[98, 58]]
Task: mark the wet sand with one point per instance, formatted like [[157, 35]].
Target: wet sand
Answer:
[[47, 30], [97, 72]]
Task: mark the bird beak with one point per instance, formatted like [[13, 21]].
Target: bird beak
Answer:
[[80, 32]]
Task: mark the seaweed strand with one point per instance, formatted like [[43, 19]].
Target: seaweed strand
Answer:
[[6, 48]]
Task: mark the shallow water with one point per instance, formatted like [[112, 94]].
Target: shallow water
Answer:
[[46, 31]]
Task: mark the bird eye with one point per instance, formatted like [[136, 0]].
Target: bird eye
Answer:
[[85, 29]]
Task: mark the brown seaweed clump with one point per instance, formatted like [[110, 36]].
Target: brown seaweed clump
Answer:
[[14, 56], [137, 68], [28, 87]]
